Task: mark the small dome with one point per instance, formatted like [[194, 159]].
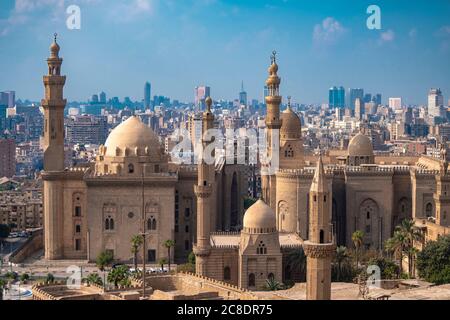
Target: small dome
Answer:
[[291, 125], [273, 69], [54, 48], [132, 134], [360, 145], [259, 218]]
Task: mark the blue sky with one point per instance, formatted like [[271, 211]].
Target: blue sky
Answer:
[[178, 44]]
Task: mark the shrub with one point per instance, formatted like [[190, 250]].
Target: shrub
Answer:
[[433, 262]]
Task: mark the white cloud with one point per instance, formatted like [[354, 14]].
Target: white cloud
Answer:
[[444, 35], [412, 33], [328, 32], [129, 10], [386, 37]]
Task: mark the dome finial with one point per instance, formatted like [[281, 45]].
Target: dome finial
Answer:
[[289, 102], [274, 57], [56, 36]]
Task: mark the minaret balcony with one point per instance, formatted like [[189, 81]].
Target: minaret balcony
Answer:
[[319, 250], [203, 191]]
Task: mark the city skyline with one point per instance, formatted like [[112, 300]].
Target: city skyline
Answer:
[[177, 46]]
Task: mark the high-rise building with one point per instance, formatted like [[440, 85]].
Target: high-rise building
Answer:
[[359, 109], [8, 98], [201, 93], [354, 93], [435, 103], [367, 98], [102, 97], [94, 99], [395, 103], [377, 99], [147, 95], [243, 95], [7, 158], [336, 98], [86, 129]]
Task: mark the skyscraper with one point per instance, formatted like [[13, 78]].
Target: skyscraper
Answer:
[[201, 93], [147, 95], [102, 97], [354, 93], [435, 103], [336, 98], [8, 98], [7, 158], [243, 95], [377, 99], [395, 103]]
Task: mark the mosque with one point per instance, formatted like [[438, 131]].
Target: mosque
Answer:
[[314, 202]]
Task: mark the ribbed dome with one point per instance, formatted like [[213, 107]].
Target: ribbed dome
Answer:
[[360, 145], [259, 218], [291, 125], [132, 134]]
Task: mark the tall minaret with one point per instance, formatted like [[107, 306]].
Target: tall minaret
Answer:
[[203, 191], [273, 124], [442, 194], [53, 105], [320, 247]]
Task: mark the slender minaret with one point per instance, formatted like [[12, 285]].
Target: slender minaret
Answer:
[[442, 194], [320, 247], [273, 124], [203, 191], [53, 105]]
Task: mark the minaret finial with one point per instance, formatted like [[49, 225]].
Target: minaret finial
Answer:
[[274, 57], [55, 35], [289, 102]]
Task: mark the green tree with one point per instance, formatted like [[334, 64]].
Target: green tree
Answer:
[[162, 262], [94, 278], [50, 278], [340, 258], [191, 258], [169, 244], [24, 277], [433, 262], [388, 268], [357, 239], [5, 230], [411, 234], [119, 275], [273, 285], [296, 259], [104, 259], [136, 243], [395, 246], [248, 202]]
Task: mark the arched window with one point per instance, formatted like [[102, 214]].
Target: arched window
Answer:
[[226, 273], [261, 248], [151, 223], [322, 236], [77, 228], [251, 280], [109, 223], [130, 168], [186, 229]]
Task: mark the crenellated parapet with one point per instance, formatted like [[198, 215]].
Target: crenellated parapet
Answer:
[[319, 250]]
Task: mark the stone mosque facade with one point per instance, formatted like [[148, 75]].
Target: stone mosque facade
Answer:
[[314, 202]]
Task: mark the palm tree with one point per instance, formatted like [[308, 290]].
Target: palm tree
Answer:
[[2, 286], [273, 285], [395, 245], [103, 260], [162, 262], [297, 260], [357, 238], [341, 257], [169, 244], [119, 275], [136, 242], [94, 278], [411, 234]]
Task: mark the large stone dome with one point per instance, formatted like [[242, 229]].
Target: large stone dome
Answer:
[[259, 218], [132, 137], [360, 146], [291, 126]]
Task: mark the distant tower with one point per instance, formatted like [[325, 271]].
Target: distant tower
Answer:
[[147, 95], [203, 191], [53, 175], [243, 95], [273, 123], [442, 194], [320, 247]]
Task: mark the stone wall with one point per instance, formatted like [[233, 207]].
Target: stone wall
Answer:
[[33, 244]]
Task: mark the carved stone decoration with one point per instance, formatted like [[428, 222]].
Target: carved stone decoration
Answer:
[[319, 250]]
